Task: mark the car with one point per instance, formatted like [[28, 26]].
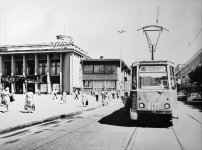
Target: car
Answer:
[[194, 97], [181, 96]]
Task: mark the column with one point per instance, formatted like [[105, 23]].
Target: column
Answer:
[[48, 74], [61, 89], [12, 72], [24, 73], [105, 85], [66, 78], [36, 71], [1, 70], [93, 85]]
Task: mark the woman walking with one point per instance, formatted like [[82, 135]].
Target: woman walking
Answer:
[[6, 98]]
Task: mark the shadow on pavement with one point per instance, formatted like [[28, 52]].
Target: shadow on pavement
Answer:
[[193, 105], [122, 118], [23, 111]]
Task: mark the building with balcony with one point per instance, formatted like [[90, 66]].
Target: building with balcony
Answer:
[[42, 67], [105, 74]]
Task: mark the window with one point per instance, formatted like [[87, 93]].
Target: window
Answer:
[[88, 69], [30, 57], [42, 57], [55, 68], [153, 77], [98, 68], [42, 68], [110, 69], [99, 84], [88, 84], [30, 67], [18, 68], [111, 84], [55, 56]]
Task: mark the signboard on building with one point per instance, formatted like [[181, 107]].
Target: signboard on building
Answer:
[[44, 88], [62, 41], [56, 86]]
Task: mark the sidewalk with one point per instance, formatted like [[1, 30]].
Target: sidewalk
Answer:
[[46, 109]]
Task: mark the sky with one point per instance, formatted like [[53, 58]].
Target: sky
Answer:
[[94, 26]]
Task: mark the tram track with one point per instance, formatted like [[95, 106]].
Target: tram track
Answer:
[[194, 118], [178, 139], [132, 138], [54, 139]]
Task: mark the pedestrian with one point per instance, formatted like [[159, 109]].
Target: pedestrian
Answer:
[[113, 94], [29, 102], [126, 101], [122, 95], [84, 99], [125, 97], [6, 98], [76, 94], [117, 94], [105, 99], [55, 92], [64, 97], [39, 91], [97, 95], [103, 95]]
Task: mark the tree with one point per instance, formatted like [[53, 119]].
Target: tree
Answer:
[[196, 75]]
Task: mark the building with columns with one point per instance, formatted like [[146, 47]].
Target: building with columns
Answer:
[[42, 67]]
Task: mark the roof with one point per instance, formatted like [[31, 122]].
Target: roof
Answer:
[[42, 48], [62, 44]]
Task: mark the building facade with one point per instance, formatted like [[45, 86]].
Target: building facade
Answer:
[[42, 67], [105, 74], [182, 72]]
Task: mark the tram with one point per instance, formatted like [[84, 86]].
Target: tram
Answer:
[[153, 89]]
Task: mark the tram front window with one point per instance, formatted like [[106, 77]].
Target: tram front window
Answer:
[[153, 81]]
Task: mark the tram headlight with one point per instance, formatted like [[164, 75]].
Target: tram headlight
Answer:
[[167, 106], [141, 105]]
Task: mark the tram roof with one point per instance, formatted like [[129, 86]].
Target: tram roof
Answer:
[[153, 62]]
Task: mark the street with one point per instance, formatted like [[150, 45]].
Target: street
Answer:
[[109, 128]]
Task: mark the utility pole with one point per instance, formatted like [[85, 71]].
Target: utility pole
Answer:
[[121, 32]]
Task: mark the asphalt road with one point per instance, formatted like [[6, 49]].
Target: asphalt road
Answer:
[[109, 128]]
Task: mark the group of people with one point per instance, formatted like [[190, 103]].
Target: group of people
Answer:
[[6, 97], [82, 94], [106, 95], [63, 97]]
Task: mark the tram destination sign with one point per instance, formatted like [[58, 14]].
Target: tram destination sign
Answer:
[[152, 68]]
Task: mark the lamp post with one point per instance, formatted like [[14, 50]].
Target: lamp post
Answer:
[[121, 32]]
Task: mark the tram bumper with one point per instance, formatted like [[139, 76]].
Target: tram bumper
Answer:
[[135, 114], [155, 112]]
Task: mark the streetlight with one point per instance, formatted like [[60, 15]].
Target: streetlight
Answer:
[[121, 32]]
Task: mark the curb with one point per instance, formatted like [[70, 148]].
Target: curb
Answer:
[[62, 116]]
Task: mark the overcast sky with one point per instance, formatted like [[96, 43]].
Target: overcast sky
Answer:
[[94, 25]]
